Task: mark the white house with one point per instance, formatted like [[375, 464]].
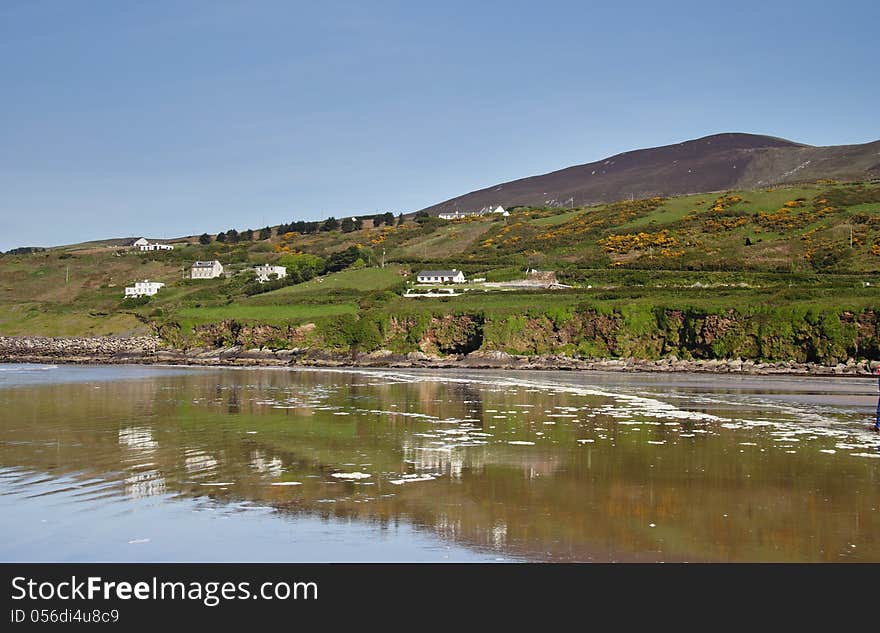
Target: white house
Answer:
[[499, 210], [206, 270], [457, 215], [441, 276], [265, 272], [145, 288], [155, 247], [141, 241]]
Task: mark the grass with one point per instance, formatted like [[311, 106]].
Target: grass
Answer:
[[454, 237], [38, 319], [78, 290], [559, 218], [672, 210], [363, 279], [271, 314]]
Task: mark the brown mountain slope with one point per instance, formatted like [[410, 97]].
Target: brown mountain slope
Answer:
[[712, 163]]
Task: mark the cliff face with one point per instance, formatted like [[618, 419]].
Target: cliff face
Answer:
[[801, 335], [662, 336]]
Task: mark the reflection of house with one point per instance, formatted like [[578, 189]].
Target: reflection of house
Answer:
[[143, 288], [265, 271], [206, 270], [441, 276]]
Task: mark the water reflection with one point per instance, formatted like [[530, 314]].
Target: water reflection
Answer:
[[549, 467]]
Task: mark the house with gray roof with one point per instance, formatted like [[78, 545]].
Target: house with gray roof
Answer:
[[206, 270], [440, 277]]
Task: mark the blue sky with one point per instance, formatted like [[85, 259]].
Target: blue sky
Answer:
[[160, 118]]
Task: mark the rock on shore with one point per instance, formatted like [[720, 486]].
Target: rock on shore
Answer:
[[149, 350]]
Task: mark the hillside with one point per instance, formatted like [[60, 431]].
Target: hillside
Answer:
[[713, 163], [776, 272]]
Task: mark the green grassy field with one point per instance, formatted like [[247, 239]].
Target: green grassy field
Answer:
[[271, 314], [362, 280], [812, 245]]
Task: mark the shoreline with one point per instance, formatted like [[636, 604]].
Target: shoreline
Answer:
[[148, 350]]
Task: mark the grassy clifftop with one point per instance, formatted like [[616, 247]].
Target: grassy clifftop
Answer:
[[799, 266]]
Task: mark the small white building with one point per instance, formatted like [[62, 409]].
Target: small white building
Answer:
[[265, 271], [206, 270], [155, 247], [457, 215], [440, 277], [145, 288], [141, 241]]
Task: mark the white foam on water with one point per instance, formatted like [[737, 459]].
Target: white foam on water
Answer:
[[804, 420], [408, 479], [351, 475], [286, 483], [521, 443]]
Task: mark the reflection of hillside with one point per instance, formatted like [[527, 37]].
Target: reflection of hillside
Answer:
[[247, 430]]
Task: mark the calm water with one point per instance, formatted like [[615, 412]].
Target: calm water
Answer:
[[153, 463]]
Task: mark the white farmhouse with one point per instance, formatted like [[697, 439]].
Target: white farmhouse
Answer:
[[206, 270], [141, 241], [155, 247], [265, 272], [145, 288], [457, 215], [440, 277]]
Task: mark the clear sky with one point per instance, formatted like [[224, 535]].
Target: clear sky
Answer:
[[167, 118]]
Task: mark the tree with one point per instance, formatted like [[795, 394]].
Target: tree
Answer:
[[301, 267], [389, 218], [399, 219], [358, 224], [347, 225], [265, 233], [330, 224], [221, 237], [204, 238], [232, 236], [247, 236], [343, 259]]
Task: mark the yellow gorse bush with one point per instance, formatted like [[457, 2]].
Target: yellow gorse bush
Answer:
[[637, 241]]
